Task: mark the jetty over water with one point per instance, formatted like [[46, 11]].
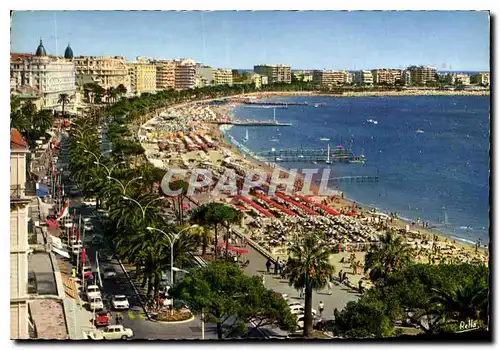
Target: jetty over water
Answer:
[[311, 155], [253, 123], [355, 179]]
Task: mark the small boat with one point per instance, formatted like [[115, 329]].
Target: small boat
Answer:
[[278, 159], [420, 131], [300, 156], [246, 136], [315, 162], [372, 121], [274, 140], [324, 139]]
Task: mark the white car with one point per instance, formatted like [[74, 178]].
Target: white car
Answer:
[[120, 302], [116, 332], [96, 303], [109, 272], [296, 307], [93, 291], [300, 321]]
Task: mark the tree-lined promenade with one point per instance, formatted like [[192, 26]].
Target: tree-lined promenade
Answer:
[[434, 298]]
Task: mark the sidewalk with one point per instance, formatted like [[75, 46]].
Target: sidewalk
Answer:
[[339, 298]]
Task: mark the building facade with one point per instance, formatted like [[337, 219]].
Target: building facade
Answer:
[[275, 73], [185, 74], [142, 76], [19, 247], [49, 76], [165, 74], [223, 77], [480, 79], [386, 76], [363, 78], [420, 75], [329, 78], [106, 71]]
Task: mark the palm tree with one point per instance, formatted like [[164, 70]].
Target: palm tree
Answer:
[[462, 302], [183, 187], [308, 267], [17, 119], [390, 254], [63, 100]]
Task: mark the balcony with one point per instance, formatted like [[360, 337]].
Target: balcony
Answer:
[[19, 192]]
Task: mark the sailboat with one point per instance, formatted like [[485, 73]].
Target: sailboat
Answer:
[[246, 136], [328, 161]]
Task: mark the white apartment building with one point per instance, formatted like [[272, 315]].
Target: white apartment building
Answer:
[[185, 74], [329, 78], [50, 76], [363, 77]]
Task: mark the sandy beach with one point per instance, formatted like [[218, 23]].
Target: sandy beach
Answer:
[[186, 137]]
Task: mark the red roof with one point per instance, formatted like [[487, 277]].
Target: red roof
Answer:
[[16, 140]]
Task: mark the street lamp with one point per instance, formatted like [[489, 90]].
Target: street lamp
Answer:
[[124, 188], [172, 239], [107, 169], [143, 209]]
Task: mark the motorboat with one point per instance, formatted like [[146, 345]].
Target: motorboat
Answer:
[[372, 121], [420, 131], [324, 139]]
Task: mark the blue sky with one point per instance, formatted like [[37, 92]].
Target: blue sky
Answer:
[[230, 39]]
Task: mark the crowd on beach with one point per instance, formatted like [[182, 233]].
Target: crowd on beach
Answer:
[[276, 233]]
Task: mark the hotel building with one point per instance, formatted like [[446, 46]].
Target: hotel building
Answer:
[[329, 78], [105, 71], [363, 77], [420, 75], [142, 76], [386, 76], [47, 75], [223, 77], [165, 74], [185, 74], [275, 73]]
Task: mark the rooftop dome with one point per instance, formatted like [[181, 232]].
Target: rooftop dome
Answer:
[[68, 53], [40, 51]]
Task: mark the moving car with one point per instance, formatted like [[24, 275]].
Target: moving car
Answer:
[[109, 272], [101, 318], [120, 302], [116, 332], [92, 291], [326, 324], [96, 303]]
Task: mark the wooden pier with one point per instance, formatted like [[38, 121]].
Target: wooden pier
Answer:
[[355, 179], [310, 155]]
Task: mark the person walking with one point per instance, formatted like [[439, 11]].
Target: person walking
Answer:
[[268, 265], [263, 279], [117, 318], [321, 307], [330, 287], [281, 268], [276, 266]]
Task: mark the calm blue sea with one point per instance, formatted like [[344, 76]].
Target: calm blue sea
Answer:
[[440, 175]]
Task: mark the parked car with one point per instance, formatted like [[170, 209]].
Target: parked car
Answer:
[[300, 321], [96, 303], [101, 319], [120, 302], [92, 291], [109, 272], [296, 305], [117, 332]]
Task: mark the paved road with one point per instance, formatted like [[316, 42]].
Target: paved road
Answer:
[[340, 296], [134, 318]]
